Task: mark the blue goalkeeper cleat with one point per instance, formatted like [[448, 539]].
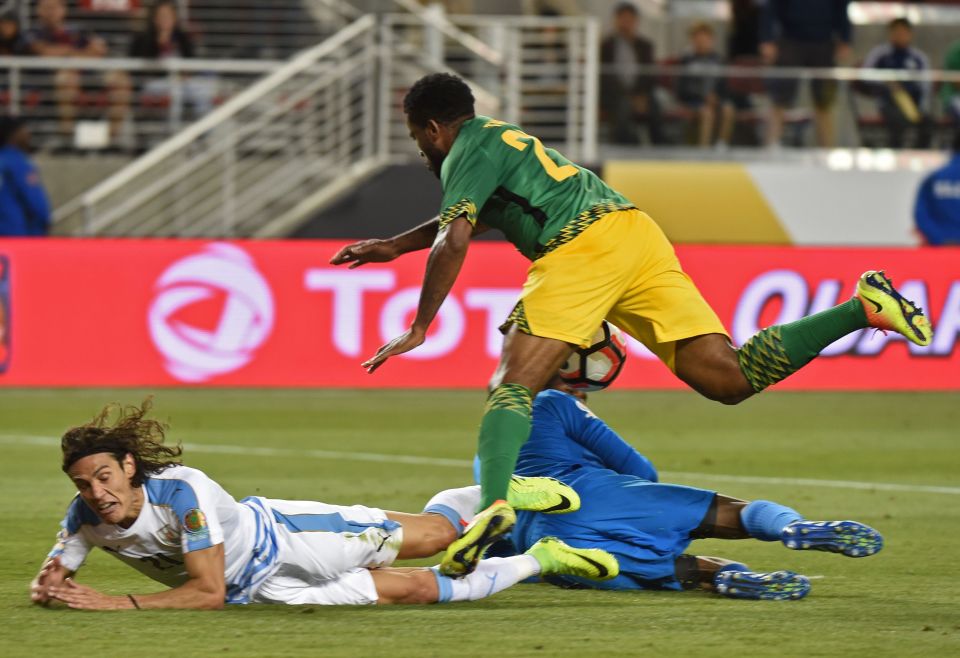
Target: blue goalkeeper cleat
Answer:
[[773, 586], [848, 537]]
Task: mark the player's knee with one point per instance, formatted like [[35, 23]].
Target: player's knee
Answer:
[[732, 397]]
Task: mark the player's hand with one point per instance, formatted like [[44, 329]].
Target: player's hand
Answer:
[[407, 341], [82, 597], [51, 575], [365, 251]]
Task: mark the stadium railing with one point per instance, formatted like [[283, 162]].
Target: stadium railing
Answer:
[[273, 153], [857, 108], [163, 95], [248, 165]]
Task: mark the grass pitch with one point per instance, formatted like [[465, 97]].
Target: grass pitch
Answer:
[[902, 601]]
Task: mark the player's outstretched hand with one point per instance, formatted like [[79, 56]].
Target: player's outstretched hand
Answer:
[[51, 575], [365, 251], [82, 597], [407, 341]]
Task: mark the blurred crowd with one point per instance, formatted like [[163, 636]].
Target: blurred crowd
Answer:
[[710, 104], [693, 100], [108, 93]]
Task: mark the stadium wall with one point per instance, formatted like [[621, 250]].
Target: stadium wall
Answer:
[[695, 202], [199, 313]]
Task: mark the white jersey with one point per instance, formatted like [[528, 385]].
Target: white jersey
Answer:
[[183, 511], [274, 550]]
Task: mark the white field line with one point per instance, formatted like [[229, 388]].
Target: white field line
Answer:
[[336, 455]]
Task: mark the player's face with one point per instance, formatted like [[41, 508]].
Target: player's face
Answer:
[[430, 140], [104, 485]]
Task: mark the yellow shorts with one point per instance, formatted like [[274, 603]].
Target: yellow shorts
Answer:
[[623, 269]]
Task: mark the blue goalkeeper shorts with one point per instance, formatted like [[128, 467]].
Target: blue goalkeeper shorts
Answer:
[[646, 525]]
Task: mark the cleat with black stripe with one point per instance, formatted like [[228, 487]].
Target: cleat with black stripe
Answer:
[[487, 527], [888, 310], [559, 559], [542, 494]]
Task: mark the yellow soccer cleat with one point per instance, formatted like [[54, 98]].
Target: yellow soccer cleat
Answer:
[[542, 494], [559, 559], [487, 527], [888, 310]]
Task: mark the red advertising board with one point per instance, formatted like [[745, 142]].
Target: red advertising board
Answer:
[[246, 313]]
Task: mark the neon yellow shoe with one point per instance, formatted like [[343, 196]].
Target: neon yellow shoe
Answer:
[[541, 494], [487, 527], [888, 310], [559, 559]]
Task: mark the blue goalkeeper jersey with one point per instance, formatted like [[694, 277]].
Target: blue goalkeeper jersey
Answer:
[[624, 510]]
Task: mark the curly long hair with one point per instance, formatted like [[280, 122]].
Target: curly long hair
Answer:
[[130, 433]]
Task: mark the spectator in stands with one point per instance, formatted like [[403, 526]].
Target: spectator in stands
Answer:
[[705, 94], [902, 104], [626, 96], [163, 36], [743, 39], [810, 34], [950, 91], [11, 41], [937, 209], [24, 207], [54, 38]]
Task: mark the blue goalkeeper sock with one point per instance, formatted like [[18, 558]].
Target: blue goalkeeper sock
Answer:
[[765, 520]]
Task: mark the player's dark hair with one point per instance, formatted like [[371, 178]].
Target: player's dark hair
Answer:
[[439, 96], [628, 7], [900, 22], [129, 434]]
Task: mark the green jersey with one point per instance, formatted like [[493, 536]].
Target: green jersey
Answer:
[[507, 179]]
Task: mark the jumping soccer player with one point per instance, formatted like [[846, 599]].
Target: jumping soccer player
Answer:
[[595, 256], [647, 525], [177, 526]]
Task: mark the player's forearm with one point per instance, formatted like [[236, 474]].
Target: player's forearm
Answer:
[[192, 595], [443, 267], [417, 238]]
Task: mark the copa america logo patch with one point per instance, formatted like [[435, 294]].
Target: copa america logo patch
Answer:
[[235, 309], [195, 520]]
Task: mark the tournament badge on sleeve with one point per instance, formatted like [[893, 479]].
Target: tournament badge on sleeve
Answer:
[[5, 327]]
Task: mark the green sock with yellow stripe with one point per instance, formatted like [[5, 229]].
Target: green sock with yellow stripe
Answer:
[[777, 352], [503, 431]]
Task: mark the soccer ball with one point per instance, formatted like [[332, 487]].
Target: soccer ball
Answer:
[[594, 368]]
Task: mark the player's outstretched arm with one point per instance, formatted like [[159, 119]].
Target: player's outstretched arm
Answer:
[[384, 251], [52, 574], [443, 266], [205, 590]]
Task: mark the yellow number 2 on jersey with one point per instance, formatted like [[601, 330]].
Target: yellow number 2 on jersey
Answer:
[[520, 141]]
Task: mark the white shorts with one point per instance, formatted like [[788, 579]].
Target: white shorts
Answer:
[[325, 552]]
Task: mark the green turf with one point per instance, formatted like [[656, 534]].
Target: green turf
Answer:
[[901, 602]]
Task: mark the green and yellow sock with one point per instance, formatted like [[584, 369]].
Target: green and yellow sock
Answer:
[[777, 352], [503, 430]]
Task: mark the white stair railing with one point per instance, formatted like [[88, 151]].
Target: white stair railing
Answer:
[[273, 154], [249, 163], [544, 80]]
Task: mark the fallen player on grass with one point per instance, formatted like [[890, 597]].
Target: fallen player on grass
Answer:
[[177, 526], [647, 525]]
